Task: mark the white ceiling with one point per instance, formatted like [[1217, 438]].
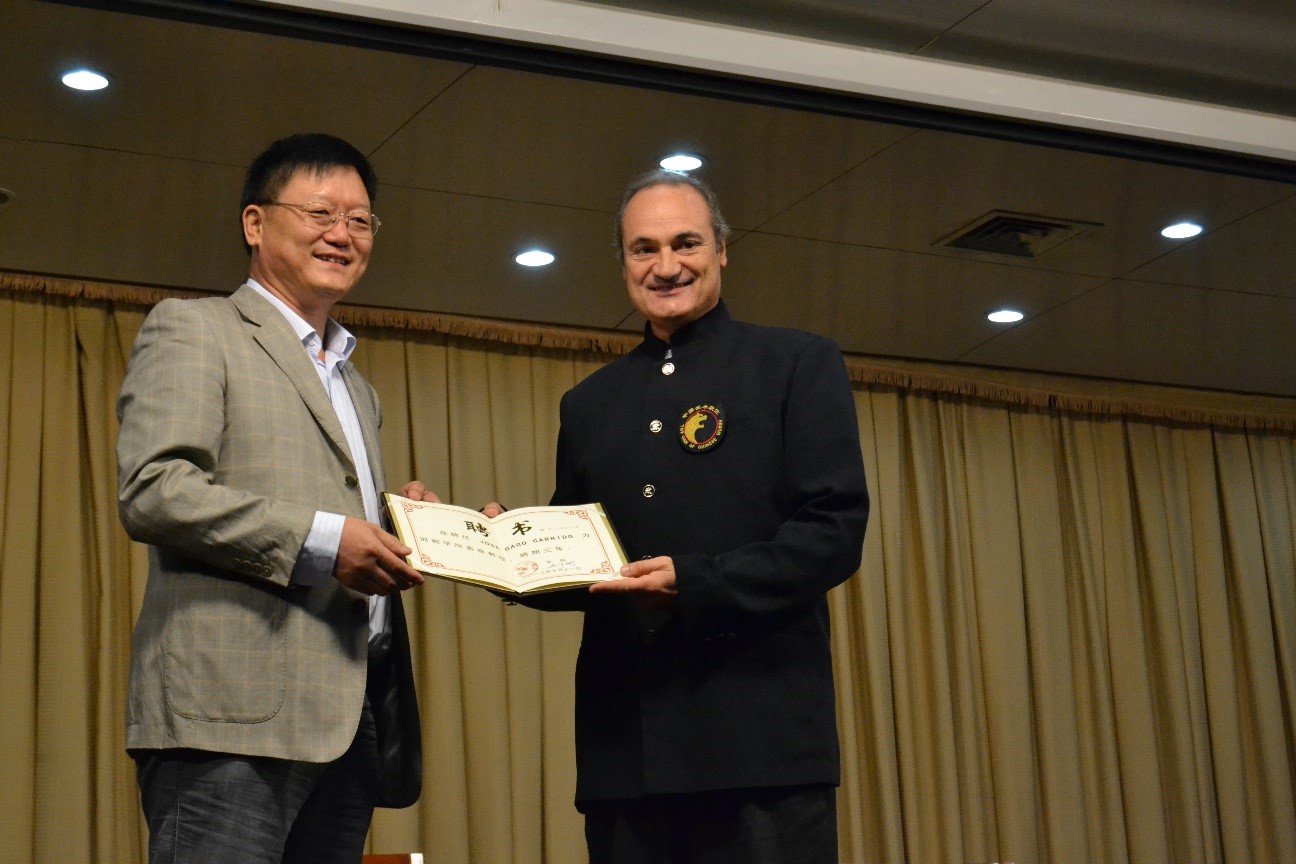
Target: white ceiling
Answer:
[[1238, 54], [838, 217]]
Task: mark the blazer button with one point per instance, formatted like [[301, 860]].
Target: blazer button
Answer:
[[655, 426], [668, 368], [352, 482], [649, 490]]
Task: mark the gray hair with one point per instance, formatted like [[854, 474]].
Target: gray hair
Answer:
[[662, 177]]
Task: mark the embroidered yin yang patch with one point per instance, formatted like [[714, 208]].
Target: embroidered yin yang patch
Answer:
[[702, 429]]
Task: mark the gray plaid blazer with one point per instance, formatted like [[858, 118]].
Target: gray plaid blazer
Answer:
[[228, 446]]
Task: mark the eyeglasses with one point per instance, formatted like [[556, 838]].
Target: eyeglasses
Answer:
[[358, 223]]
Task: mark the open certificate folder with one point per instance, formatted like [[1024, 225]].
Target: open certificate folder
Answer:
[[522, 551]]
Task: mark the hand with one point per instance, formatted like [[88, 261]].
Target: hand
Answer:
[[416, 491], [371, 561], [493, 509], [652, 577]]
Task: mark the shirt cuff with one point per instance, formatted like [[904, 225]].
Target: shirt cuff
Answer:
[[318, 557]]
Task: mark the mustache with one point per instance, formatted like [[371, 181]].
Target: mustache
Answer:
[[670, 283]]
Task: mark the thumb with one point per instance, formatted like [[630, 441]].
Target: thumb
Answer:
[[635, 569], [393, 543]]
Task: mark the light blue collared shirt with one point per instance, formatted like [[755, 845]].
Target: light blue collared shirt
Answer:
[[318, 555]]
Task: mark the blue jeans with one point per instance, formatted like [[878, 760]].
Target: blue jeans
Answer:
[[213, 808]]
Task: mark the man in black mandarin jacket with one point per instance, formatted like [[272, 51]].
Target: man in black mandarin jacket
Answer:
[[727, 456]]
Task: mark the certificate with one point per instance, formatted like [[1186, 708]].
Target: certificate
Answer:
[[522, 551]]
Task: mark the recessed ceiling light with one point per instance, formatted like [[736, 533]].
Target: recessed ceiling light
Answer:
[[1181, 230], [1005, 316], [85, 79], [535, 258], [681, 162]]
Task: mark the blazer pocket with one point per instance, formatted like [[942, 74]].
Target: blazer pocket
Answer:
[[225, 649]]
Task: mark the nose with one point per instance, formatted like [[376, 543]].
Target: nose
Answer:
[[667, 264], [338, 233]]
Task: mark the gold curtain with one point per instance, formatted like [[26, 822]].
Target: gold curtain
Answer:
[[1072, 639]]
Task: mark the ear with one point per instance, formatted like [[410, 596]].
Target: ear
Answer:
[[253, 223], [722, 255]]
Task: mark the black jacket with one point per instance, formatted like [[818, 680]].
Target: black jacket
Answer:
[[732, 687]]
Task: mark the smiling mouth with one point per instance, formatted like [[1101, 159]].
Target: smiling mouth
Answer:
[[334, 259], [664, 288]]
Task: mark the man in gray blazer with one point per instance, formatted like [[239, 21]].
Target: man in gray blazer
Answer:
[[271, 702]]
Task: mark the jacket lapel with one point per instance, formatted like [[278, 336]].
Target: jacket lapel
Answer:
[[276, 338], [367, 413]]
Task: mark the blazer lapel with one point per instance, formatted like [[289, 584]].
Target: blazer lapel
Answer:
[[273, 333], [367, 412]]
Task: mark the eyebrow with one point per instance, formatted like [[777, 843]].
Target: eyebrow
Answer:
[[683, 235]]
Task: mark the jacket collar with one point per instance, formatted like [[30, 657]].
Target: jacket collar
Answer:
[[694, 331], [272, 331]]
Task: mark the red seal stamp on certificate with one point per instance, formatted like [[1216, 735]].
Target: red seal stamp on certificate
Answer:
[[702, 429]]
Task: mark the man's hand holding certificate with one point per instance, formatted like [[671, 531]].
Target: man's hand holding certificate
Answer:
[[522, 551]]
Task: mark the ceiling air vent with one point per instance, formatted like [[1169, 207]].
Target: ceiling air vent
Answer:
[[1016, 234]]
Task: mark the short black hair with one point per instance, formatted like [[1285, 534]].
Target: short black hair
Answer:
[[662, 177], [312, 151]]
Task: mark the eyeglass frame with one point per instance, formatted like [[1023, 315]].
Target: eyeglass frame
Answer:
[[341, 216]]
